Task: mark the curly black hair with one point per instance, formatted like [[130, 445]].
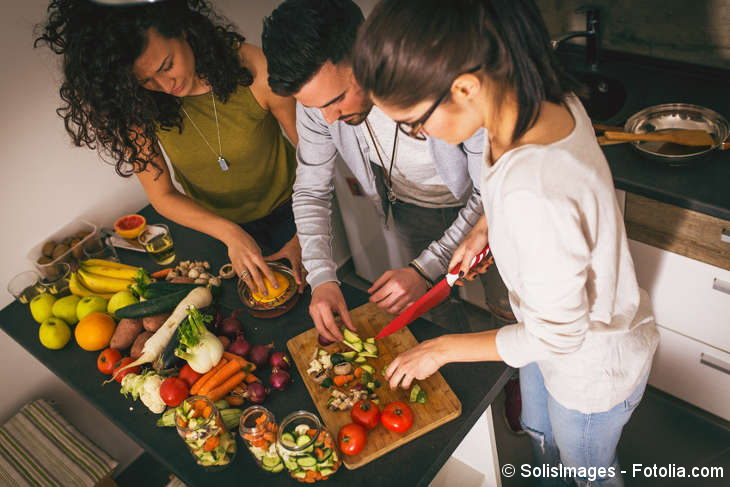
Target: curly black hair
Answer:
[[301, 35], [104, 107]]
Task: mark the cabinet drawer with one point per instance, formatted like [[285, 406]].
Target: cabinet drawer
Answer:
[[685, 232], [693, 372], [688, 296]]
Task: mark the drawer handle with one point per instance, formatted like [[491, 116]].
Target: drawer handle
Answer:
[[715, 363], [725, 235], [720, 285]]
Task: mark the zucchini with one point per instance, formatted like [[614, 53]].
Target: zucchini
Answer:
[[361, 360], [325, 472], [167, 360], [370, 340], [278, 468], [303, 440], [371, 348], [287, 439], [367, 355], [357, 346], [152, 307], [306, 461], [351, 337], [368, 368], [349, 355]]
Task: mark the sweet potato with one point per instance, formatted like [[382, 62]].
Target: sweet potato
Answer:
[[125, 333], [139, 344], [153, 323]]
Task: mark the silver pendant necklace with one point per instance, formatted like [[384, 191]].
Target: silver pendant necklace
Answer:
[[392, 197], [221, 161]]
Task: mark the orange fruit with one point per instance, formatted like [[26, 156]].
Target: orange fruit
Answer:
[[94, 331], [130, 226], [273, 293]]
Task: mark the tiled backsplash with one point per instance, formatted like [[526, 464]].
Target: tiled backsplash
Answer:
[[694, 31]]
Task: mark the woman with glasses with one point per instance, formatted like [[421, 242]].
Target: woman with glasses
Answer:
[[585, 335], [174, 76]]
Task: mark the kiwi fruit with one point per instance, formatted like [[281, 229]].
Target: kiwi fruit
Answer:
[[81, 234], [48, 248], [59, 251], [43, 260], [76, 249]]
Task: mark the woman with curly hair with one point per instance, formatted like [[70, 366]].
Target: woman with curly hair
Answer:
[[173, 76]]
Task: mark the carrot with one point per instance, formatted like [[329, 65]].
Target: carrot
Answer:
[[244, 363], [223, 374], [206, 377], [252, 378], [226, 386], [261, 420], [161, 274], [358, 372], [211, 443], [341, 380]]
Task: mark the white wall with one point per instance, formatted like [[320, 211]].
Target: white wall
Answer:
[[47, 182]]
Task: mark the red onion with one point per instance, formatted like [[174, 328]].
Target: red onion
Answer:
[[259, 354], [323, 341], [231, 326], [279, 379], [216, 322], [279, 360], [256, 392], [239, 346]]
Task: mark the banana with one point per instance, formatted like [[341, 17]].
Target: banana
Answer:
[[109, 271], [102, 284], [107, 263], [78, 289]]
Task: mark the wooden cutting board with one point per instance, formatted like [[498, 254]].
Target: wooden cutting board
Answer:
[[442, 405]]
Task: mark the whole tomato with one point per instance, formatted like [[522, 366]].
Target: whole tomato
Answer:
[[122, 363], [188, 375], [397, 416], [173, 391], [352, 438], [107, 360], [365, 413]]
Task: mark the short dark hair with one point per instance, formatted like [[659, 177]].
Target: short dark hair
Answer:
[[409, 51], [302, 35]]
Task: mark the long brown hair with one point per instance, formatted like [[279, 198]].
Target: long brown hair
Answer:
[[409, 51]]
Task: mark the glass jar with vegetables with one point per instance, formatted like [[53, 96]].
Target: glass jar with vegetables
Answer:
[[306, 447], [199, 424], [258, 429]]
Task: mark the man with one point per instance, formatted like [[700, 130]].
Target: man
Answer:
[[428, 186]]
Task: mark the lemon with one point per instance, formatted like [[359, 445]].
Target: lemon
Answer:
[[54, 333], [120, 300], [274, 294]]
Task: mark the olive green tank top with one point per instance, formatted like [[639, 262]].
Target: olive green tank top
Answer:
[[261, 162]]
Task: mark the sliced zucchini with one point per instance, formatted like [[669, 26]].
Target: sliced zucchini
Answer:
[[361, 360], [349, 355], [370, 340], [371, 348], [278, 468], [367, 354], [291, 464], [288, 440], [306, 461], [300, 475], [326, 471], [271, 462], [303, 440], [369, 369], [350, 336], [357, 346]]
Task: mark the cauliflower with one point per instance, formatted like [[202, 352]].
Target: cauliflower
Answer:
[[150, 394]]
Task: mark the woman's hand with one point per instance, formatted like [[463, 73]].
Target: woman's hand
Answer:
[[247, 260], [419, 363], [474, 243], [292, 252]]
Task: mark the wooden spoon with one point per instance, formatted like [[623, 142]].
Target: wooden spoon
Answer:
[[676, 136]]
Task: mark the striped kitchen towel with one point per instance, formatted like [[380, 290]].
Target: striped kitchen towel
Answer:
[[39, 447]]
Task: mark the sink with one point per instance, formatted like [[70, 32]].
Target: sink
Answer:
[[604, 97]]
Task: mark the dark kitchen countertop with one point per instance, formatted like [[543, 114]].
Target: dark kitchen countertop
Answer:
[[415, 463], [704, 185]]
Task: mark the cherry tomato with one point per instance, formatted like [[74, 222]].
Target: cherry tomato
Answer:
[[365, 413], [189, 375], [173, 391], [352, 438], [397, 416], [122, 363], [107, 360]]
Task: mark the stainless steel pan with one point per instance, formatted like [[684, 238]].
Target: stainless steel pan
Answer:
[[678, 116]]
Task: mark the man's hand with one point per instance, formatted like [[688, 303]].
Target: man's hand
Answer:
[[474, 243], [327, 299], [292, 252], [396, 289]]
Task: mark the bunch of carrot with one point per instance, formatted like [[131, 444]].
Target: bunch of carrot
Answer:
[[262, 439], [226, 376]]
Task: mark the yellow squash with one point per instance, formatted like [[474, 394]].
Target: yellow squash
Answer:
[[102, 284]]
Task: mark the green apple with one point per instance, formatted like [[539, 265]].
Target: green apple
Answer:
[[54, 333], [65, 308], [120, 300], [90, 304], [41, 307]]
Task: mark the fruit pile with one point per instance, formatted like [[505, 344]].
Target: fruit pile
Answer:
[[103, 278], [52, 250]]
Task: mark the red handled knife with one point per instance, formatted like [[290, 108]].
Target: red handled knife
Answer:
[[433, 297]]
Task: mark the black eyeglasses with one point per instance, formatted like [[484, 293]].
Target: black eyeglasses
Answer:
[[413, 129]]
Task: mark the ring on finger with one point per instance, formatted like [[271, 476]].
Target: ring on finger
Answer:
[[245, 275]]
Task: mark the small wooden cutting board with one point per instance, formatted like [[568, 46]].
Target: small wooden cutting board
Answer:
[[442, 405]]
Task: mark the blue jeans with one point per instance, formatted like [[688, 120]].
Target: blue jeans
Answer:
[[585, 442]]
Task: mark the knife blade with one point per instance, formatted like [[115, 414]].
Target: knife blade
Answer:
[[433, 297]]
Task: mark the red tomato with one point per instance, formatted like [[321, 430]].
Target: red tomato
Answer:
[[122, 363], [365, 413], [188, 375], [107, 360], [352, 438], [173, 391], [397, 416]]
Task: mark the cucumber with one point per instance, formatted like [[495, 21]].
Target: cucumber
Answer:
[[369, 369], [163, 288], [350, 336], [271, 462], [306, 461], [348, 355], [300, 475], [370, 340], [367, 355], [152, 307], [361, 360], [326, 471], [278, 468], [288, 440], [371, 348], [357, 346], [303, 440], [291, 464]]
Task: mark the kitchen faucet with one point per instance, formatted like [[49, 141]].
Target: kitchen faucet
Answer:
[[591, 35]]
